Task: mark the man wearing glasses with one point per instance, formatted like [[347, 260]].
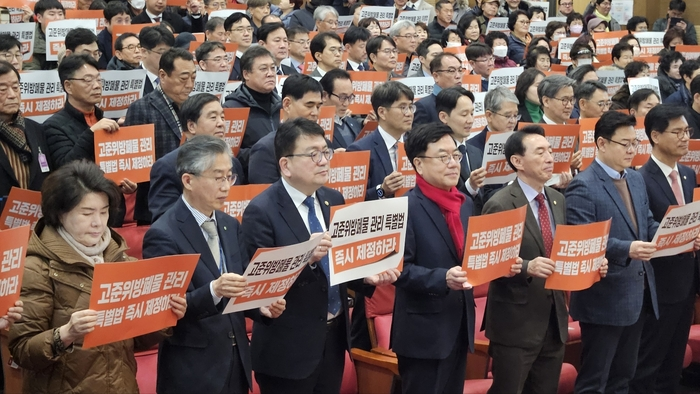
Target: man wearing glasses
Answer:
[[566, 7], [447, 72], [154, 42], [337, 91], [327, 50], [556, 93], [240, 31], [11, 51], [662, 346], [298, 39], [404, 35], [480, 57], [593, 99], [211, 56], [326, 19]]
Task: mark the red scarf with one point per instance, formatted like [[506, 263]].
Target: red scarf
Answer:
[[450, 204]]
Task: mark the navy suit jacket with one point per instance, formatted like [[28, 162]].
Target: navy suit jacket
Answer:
[[236, 73], [263, 166], [474, 157], [617, 299], [292, 345], [676, 276], [198, 356], [479, 140], [379, 161], [426, 112], [338, 140], [166, 185], [427, 314]]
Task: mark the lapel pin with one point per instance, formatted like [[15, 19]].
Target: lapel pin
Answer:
[[326, 202], [225, 228], [684, 177], [555, 202]]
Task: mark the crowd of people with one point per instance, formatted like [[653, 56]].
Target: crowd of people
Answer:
[[634, 322]]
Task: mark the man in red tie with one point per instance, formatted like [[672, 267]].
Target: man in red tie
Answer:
[[662, 346], [527, 356]]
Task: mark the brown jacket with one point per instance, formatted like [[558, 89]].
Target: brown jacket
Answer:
[[57, 282]]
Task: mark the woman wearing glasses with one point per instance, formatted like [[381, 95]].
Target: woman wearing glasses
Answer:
[[520, 37]]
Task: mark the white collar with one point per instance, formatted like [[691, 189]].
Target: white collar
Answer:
[[152, 16], [353, 64], [151, 76], [320, 70], [548, 121], [664, 168], [198, 216], [389, 141], [296, 196]]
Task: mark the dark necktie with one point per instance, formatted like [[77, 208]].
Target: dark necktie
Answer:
[[545, 224], [465, 161], [409, 8], [361, 67], [315, 227], [156, 19]]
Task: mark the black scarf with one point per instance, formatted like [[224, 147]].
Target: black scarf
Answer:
[[13, 135]]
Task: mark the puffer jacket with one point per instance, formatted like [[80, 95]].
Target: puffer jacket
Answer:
[[57, 282]]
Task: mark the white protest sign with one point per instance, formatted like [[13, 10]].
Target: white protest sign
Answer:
[[368, 238], [213, 82], [223, 14], [271, 273], [42, 94], [497, 24], [507, 77], [56, 34], [556, 19], [421, 86], [479, 114], [564, 50], [415, 65], [497, 169], [119, 90], [385, 15], [24, 33], [677, 230], [644, 83], [651, 42], [344, 23], [231, 87], [537, 28], [612, 79], [415, 16]]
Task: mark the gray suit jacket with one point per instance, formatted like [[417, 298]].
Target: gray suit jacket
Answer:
[[152, 108], [618, 298]]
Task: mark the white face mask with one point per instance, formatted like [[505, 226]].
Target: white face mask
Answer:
[[582, 62], [636, 51], [558, 37], [576, 29], [500, 51], [138, 4], [451, 44]]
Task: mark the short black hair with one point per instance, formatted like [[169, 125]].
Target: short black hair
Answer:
[[318, 43], [328, 80], [608, 124], [552, 27], [290, 131], [167, 60], [574, 16], [586, 90], [514, 144], [7, 42], [66, 187], [436, 63], [446, 37], [417, 140], [235, 18], [536, 43], [531, 11], [267, 28], [447, 99], [533, 53], [581, 71], [634, 21], [465, 21], [635, 68], [6, 68], [206, 48], [694, 86], [669, 58], [297, 85], [375, 43], [294, 31], [152, 36], [660, 116], [493, 36], [513, 18], [191, 109], [73, 63], [619, 48], [440, 3], [42, 6], [251, 54], [677, 5], [525, 80], [424, 47], [355, 34], [97, 5], [213, 23], [119, 43], [689, 67], [79, 36], [478, 49], [386, 94], [113, 9], [640, 95]]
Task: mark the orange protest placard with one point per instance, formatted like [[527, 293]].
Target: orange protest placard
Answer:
[[644, 148], [652, 61], [461, 53], [239, 197], [400, 63], [236, 121], [696, 194], [126, 154], [13, 249], [606, 41], [405, 167], [692, 158], [363, 84], [382, 247], [22, 208], [97, 15], [587, 141], [498, 170], [309, 64], [17, 3], [471, 82], [367, 129], [348, 175], [326, 119], [578, 252], [118, 30], [689, 51], [562, 139], [493, 244], [133, 298]]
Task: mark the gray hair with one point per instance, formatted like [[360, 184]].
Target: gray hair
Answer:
[[322, 12], [398, 26], [587, 89], [199, 153], [551, 85], [496, 97]]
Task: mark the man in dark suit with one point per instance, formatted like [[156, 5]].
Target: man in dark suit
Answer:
[[355, 40], [298, 38], [393, 104], [337, 91], [327, 51], [160, 107], [155, 12], [301, 98], [527, 357], [446, 69], [663, 343], [273, 37], [427, 50], [155, 41], [612, 312], [200, 114], [239, 30], [304, 350], [208, 351]]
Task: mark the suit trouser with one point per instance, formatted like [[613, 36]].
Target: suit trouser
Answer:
[[436, 376], [528, 370], [609, 354], [328, 375], [662, 348], [237, 382]]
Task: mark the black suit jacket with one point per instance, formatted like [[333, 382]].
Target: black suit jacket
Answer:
[[379, 161], [426, 112], [676, 276], [338, 140], [479, 140], [287, 70], [292, 345], [174, 19], [427, 314], [523, 299], [474, 157], [198, 356], [263, 167]]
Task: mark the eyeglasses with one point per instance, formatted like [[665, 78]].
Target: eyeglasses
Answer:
[[88, 79], [227, 180], [445, 159], [344, 98], [630, 145], [409, 36], [316, 156], [566, 4], [487, 60], [406, 109], [565, 100], [451, 71], [301, 42], [95, 54], [158, 52], [389, 51], [515, 117], [242, 29], [331, 22], [217, 6], [524, 22], [680, 133], [218, 59], [9, 56], [132, 47], [605, 4], [604, 104]]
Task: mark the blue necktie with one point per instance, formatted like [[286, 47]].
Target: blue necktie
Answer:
[[361, 67], [315, 227]]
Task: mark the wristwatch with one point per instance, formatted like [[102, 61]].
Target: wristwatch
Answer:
[[380, 192]]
